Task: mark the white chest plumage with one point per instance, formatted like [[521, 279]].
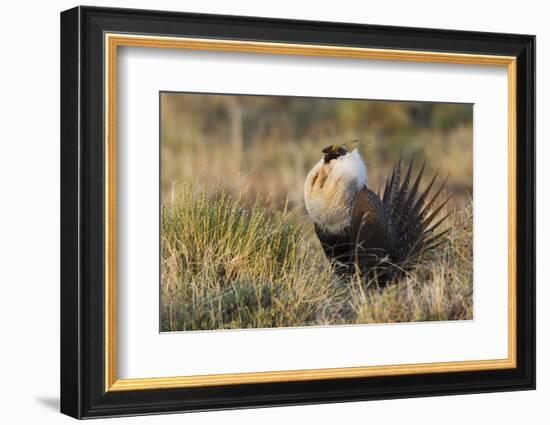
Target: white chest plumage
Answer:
[[330, 190]]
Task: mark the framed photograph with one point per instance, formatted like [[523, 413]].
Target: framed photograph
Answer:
[[261, 212]]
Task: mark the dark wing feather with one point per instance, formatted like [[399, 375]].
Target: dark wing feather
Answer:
[[371, 231], [335, 246]]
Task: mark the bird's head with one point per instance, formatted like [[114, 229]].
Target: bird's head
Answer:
[[332, 152], [331, 187]]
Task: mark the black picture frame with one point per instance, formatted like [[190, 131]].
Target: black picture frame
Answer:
[[83, 392]]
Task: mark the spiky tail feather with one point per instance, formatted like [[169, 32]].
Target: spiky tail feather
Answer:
[[412, 214]]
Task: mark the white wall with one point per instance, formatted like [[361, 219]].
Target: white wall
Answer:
[[29, 212]]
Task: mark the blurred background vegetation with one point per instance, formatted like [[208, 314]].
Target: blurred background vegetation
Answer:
[[269, 143]]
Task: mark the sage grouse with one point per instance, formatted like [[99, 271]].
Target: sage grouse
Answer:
[[379, 236]]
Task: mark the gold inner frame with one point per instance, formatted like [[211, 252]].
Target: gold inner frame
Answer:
[[113, 41]]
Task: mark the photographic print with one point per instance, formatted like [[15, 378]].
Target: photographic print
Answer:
[[261, 183], [297, 211]]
